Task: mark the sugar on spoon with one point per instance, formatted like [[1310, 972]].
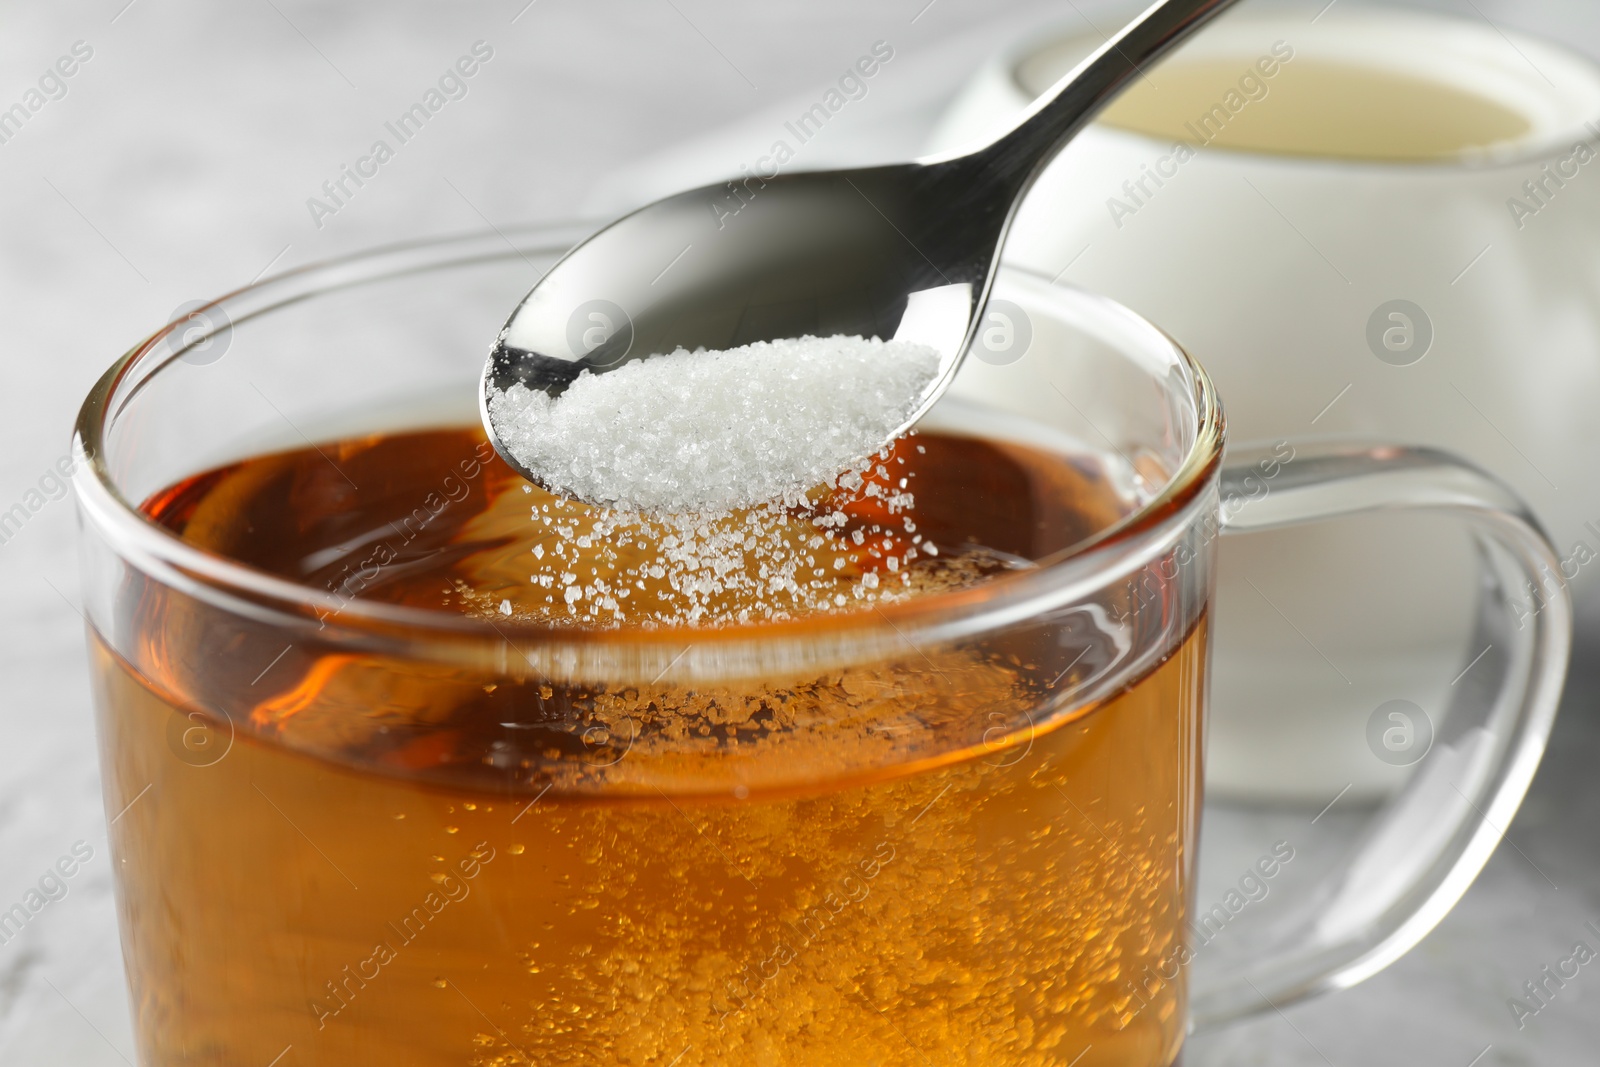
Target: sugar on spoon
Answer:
[[906, 251]]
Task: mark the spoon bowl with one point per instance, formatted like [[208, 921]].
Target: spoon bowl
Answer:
[[902, 252]]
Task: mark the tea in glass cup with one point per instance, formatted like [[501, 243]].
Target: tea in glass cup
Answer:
[[407, 760]]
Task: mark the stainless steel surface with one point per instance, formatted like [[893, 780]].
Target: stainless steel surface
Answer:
[[903, 251]]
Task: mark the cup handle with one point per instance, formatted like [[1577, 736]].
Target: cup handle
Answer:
[[1425, 847]]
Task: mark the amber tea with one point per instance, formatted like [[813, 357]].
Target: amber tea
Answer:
[[382, 860]]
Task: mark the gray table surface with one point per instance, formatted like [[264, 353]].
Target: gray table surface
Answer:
[[178, 165]]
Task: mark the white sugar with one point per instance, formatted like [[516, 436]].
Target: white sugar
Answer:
[[717, 430]]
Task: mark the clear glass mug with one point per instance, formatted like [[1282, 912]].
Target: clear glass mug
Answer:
[[974, 838]]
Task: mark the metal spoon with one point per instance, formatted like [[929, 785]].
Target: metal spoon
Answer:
[[905, 251]]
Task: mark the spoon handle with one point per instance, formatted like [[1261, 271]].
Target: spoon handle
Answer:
[[1016, 157]]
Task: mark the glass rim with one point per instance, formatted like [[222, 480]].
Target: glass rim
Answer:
[[211, 576]]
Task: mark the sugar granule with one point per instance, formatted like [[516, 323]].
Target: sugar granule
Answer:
[[717, 430]]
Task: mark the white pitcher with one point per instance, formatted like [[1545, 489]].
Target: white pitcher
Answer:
[[1452, 301]]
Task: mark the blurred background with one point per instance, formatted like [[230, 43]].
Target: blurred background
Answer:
[[177, 162]]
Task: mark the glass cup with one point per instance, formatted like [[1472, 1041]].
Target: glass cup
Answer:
[[960, 826]]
